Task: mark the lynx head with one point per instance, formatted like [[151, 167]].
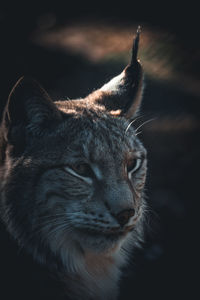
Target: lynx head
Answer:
[[72, 172]]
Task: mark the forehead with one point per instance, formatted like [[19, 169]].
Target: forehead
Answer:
[[104, 137], [103, 140]]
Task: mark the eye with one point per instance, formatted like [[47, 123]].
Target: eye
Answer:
[[133, 165], [82, 169]]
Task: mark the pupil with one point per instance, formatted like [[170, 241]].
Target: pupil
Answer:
[[83, 169], [131, 165]]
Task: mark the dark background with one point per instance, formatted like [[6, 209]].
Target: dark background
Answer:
[[166, 267]]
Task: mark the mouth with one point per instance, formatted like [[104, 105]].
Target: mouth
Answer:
[[111, 234], [101, 240]]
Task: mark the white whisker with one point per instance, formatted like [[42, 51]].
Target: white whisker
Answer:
[[150, 120], [133, 121], [138, 133]]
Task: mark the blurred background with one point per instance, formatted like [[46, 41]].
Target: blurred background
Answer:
[[74, 47]]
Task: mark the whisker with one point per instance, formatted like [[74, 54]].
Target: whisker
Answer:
[[52, 216], [138, 133], [59, 228], [148, 121], [133, 121], [56, 227], [50, 222]]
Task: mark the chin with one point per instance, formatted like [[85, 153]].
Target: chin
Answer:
[[99, 242]]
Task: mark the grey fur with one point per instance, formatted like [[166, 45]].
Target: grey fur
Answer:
[[68, 221]]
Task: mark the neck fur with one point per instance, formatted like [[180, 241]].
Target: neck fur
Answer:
[[93, 275]]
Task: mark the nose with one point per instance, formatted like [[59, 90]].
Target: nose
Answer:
[[124, 216]]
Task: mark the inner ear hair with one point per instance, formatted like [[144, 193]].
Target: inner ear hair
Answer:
[[28, 106], [122, 95]]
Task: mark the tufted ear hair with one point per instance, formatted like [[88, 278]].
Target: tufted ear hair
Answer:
[[122, 95], [29, 109]]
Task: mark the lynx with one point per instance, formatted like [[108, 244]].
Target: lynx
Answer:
[[72, 177]]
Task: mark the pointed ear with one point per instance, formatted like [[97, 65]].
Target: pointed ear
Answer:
[[122, 95], [29, 109]]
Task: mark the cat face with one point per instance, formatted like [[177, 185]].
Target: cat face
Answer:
[[92, 190], [73, 171]]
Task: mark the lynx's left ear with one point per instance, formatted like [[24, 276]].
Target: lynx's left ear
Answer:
[[122, 95]]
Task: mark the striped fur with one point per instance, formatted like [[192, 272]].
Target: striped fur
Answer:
[[67, 220]]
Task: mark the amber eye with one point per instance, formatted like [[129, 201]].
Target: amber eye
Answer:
[[82, 169], [133, 165]]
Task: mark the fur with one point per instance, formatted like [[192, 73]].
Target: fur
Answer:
[[65, 185]]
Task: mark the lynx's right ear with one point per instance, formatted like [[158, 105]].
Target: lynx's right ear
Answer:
[[122, 95], [29, 109]]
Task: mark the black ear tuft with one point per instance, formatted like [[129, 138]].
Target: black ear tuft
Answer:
[[134, 58], [29, 108], [122, 95]]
